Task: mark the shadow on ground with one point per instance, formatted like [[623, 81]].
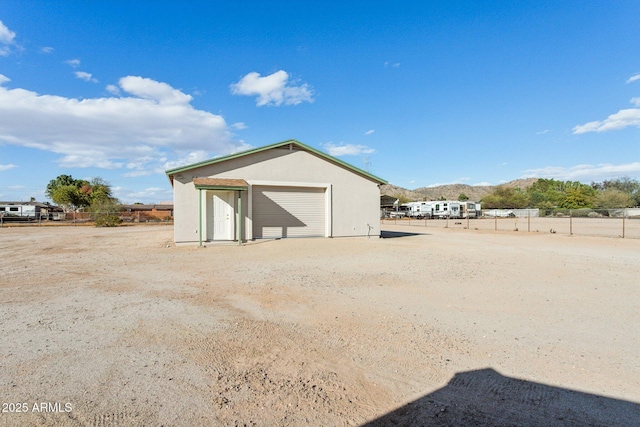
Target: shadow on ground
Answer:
[[487, 398], [393, 234]]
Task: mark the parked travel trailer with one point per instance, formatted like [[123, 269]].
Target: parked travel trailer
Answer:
[[446, 209], [470, 209], [419, 209], [18, 210], [439, 209]]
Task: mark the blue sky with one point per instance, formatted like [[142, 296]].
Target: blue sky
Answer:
[[418, 93]]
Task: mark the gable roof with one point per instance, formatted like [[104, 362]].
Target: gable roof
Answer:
[[171, 172]]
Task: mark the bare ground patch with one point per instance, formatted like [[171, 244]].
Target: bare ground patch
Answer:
[[131, 330]]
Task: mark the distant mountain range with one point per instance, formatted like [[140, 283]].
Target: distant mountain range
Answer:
[[451, 191]]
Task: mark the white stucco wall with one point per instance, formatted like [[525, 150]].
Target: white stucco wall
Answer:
[[355, 199]]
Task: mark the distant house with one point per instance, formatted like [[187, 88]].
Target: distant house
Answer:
[[287, 189], [30, 210], [146, 212]]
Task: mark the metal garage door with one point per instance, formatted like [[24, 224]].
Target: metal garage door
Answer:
[[288, 212]]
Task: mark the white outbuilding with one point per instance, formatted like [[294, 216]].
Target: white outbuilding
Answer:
[[287, 189]]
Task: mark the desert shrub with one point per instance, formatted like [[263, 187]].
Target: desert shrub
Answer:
[[105, 212], [107, 220]]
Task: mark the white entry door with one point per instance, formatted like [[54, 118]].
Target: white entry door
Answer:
[[223, 215]]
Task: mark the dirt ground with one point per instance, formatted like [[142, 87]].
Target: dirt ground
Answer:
[[102, 327]]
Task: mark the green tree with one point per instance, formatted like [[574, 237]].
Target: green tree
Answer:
[[613, 198], [78, 193], [577, 195], [68, 196], [60, 181], [545, 193], [551, 193], [463, 197], [627, 185]]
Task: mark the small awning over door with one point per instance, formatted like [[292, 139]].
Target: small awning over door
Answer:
[[288, 212], [221, 184]]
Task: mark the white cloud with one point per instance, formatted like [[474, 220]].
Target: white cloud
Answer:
[[148, 195], [4, 79], [633, 78], [113, 89], [542, 132], [369, 132], [620, 120], [187, 159], [274, 89], [239, 126], [6, 35], [87, 77], [390, 64], [46, 49], [585, 172], [73, 62], [138, 132], [137, 173], [347, 149], [153, 90], [7, 39], [7, 167]]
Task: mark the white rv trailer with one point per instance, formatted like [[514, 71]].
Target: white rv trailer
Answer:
[[29, 211], [446, 209], [442, 209], [18, 210], [470, 209], [419, 209]]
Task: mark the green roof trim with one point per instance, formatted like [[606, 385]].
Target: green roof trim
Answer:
[[171, 172]]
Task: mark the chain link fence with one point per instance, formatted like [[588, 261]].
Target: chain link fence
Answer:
[[624, 223], [82, 218]]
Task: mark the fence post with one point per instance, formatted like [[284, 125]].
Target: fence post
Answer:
[[495, 219], [570, 222], [624, 214], [529, 222]]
